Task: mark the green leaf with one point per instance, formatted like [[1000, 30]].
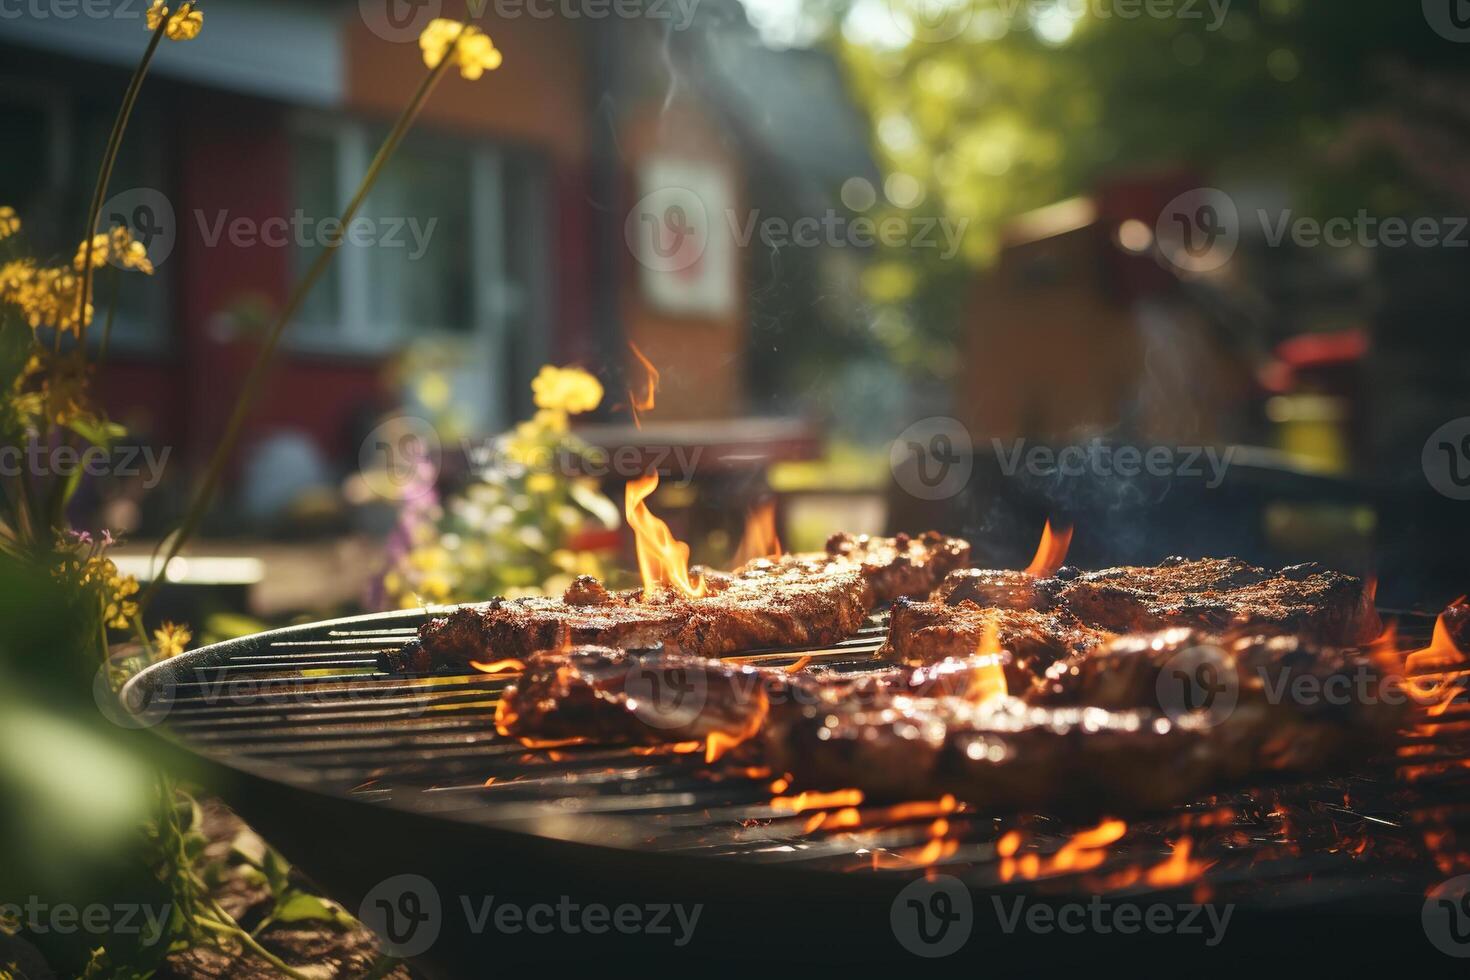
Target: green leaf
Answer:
[[277, 872], [249, 846], [301, 907], [98, 431]]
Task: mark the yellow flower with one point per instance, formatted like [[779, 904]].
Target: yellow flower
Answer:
[[475, 54], [172, 639], [570, 390], [184, 25], [541, 483], [9, 223]]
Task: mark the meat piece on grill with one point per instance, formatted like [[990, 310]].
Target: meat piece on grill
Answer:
[[515, 628], [1221, 594], [1292, 701], [1001, 588], [793, 601], [923, 632], [902, 565], [1001, 755], [635, 697]]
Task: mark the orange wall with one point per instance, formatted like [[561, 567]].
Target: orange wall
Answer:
[[536, 96], [701, 359]]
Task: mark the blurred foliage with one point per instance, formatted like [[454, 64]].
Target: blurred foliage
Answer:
[[997, 107], [511, 530]]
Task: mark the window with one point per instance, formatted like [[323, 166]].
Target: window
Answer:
[[433, 264], [51, 144]]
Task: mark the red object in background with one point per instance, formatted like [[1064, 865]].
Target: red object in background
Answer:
[[1139, 198]]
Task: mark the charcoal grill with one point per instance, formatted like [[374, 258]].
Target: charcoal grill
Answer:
[[360, 775]]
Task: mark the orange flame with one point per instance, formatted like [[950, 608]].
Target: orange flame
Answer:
[[759, 540], [1442, 654], [644, 404], [988, 678], [498, 666], [662, 558], [817, 801], [1051, 553], [1084, 851]]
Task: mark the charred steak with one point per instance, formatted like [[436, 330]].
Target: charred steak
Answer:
[[1037, 641], [1226, 593], [1209, 593], [796, 600]]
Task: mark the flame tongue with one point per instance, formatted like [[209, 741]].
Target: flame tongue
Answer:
[[663, 560], [1051, 553], [759, 540], [988, 679]]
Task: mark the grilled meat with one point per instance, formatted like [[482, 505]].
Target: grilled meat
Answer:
[[1222, 594], [901, 565], [1000, 588], [639, 697], [1001, 755], [654, 696], [796, 600], [1038, 642]]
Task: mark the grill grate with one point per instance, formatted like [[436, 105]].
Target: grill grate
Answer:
[[307, 707]]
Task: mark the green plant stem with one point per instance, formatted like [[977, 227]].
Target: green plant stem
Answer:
[[104, 177], [256, 378], [222, 923], [111, 314]]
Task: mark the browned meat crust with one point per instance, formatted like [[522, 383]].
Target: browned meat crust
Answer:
[[1039, 642], [1223, 594], [654, 697], [793, 601], [1002, 755], [998, 588], [642, 698], [901, 565]]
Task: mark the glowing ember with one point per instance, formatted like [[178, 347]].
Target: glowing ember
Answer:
[[817, 801], [1084, 851], [1051, 553], [1177, 868], [663, 560], [759, 539], [498, 666]]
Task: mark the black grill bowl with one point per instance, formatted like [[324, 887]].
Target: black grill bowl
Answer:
[[360, 777]]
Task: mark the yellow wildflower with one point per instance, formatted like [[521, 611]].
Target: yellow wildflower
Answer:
[[172, 639], [570, 390], [541, 483], [475, 54], [183, 25], [9, 222]]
